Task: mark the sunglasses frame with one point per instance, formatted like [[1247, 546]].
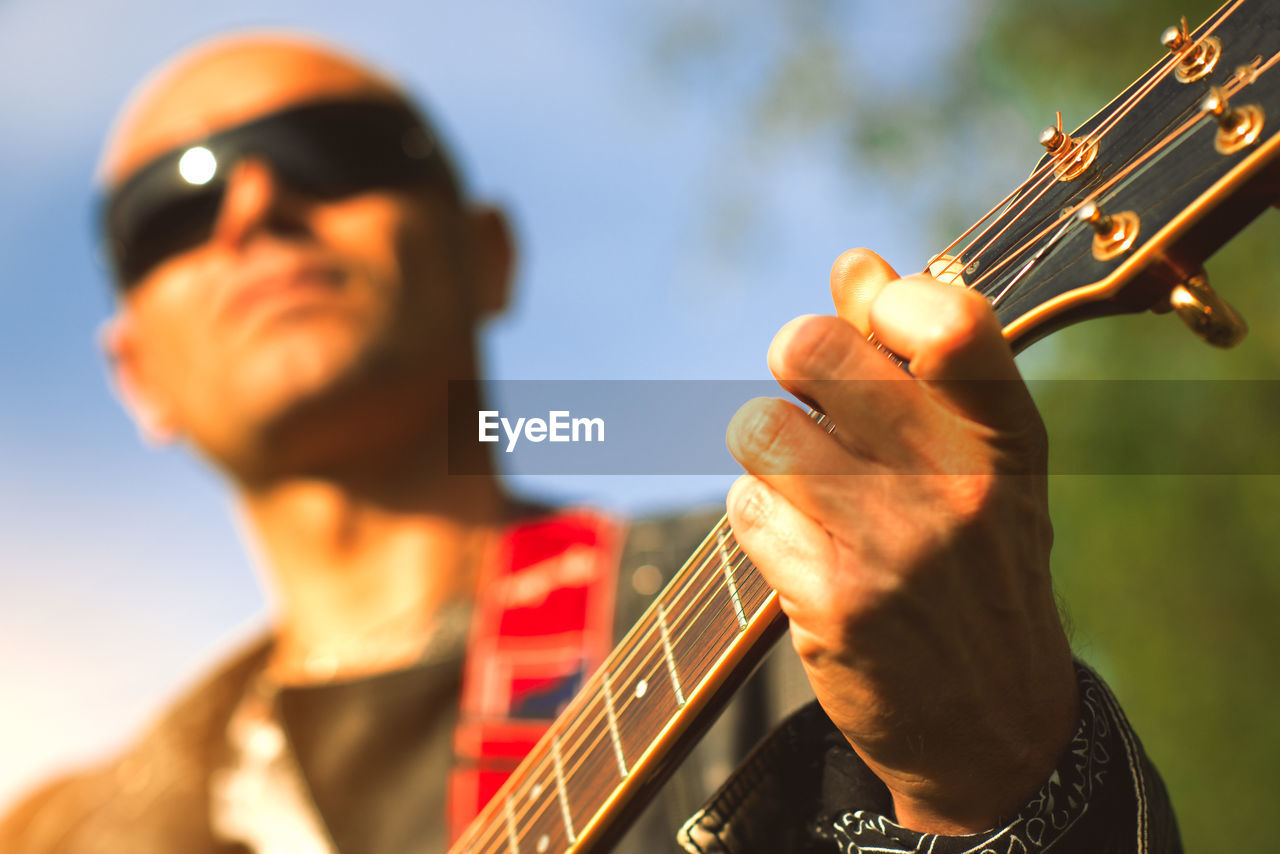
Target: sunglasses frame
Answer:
[[328, 149]]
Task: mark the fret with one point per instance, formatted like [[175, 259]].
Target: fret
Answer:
[[610, 730], [561, 794], [702, 622], [646, 700], [726, 564], [752, 588], [539, 826], [666, 651], [590, 768], [583, 758], [613, 724]]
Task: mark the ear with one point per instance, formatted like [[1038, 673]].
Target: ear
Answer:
[[493, 259], [155, 419]]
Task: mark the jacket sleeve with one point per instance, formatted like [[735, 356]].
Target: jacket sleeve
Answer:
[[804, 789]]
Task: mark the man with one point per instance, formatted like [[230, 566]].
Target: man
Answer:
[[297, 322]]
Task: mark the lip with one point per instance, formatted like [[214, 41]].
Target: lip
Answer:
[[279, 285]]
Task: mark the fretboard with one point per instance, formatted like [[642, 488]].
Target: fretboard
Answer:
[[639, 713]]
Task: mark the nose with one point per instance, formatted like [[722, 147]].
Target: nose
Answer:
[[254, 201]]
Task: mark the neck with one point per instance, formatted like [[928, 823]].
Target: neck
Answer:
[[361, 565]]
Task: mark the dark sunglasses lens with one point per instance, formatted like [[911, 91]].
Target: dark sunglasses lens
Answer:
[[179, 224], [345, 154], [327, 150]]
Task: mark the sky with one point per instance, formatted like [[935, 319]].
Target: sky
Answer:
[[659, 239]]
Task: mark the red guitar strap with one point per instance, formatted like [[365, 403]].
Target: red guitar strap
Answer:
[[543, 622]]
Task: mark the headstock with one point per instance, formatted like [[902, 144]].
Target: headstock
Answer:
[[1120, 214]]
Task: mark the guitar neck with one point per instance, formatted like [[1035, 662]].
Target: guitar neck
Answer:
[[641, 712]]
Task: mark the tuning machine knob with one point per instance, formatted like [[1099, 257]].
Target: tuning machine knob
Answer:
[[1238, 127], [1113, 234], [1198, 57], [1208, 315], [1070, 156]]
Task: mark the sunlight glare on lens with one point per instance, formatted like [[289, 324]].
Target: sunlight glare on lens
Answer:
[[198, 165]]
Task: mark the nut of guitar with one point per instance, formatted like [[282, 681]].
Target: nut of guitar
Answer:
[[947, 269]]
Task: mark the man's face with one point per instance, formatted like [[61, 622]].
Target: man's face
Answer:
[[301, 319]]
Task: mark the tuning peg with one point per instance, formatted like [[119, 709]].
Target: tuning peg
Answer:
[[1071, 156], [1201, 56], [1112, 234], [1238, 127], [1208, 315]]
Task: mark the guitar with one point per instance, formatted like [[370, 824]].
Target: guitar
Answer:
[[1118, 216]]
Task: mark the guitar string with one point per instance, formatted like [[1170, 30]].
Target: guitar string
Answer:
[[653, 670], [1157, 73], [1036, 176], [1008, 209], [1046, 179], [624, 656], [592, 753], [1099, 132], [540, 807], [642, 632], [541, 810], [1176, 137], [1064, 217]]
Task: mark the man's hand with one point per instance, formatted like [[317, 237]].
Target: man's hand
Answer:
[[910, 548]]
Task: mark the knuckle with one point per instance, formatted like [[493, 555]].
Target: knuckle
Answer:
[[748, 505], [760, 433], [968, 495]]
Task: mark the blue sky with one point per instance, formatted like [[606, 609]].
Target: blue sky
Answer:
[[660, 238]]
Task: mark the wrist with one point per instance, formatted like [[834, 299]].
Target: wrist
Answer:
[[996, 778]]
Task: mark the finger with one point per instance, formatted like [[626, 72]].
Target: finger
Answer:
[[776, 442], [953, 342], [774, 437], [784, 543], [877, 411], [856, 278], [945, 331]]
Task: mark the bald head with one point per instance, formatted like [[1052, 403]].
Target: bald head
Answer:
[[228, 81]]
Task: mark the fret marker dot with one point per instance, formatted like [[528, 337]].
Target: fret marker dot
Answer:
[[641, 687], [536, 790], [544, 842]]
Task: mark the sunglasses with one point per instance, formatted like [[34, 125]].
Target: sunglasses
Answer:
[[328, 149]]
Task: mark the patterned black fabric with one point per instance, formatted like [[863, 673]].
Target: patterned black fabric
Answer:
[[1104, 797]]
